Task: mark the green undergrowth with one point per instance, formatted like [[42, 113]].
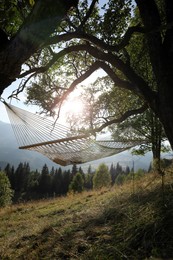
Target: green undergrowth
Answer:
[[133, 221]]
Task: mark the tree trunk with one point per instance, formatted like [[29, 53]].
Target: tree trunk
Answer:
[[160, 46], [166, 110]]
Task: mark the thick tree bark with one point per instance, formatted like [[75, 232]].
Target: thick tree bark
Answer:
[[160, 46], [41, 23]]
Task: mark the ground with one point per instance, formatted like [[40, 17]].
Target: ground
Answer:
[[132, 221]]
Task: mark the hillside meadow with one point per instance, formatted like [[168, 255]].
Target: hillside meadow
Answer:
[[132, 221]]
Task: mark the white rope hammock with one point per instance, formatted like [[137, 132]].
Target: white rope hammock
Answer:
[[57, 142]]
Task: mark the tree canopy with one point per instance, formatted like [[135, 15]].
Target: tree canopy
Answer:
[[61, 43]]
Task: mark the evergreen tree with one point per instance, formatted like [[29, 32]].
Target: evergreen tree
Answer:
[[120, 179], [52, 171], [45, 181], [113, 173], [74, 170], [26, 176], [89, 169], [57, 182], [102, 177], [150, 167], [33, 185], [19, 178], [66, 181], [6, 192], [88, 184], [7, 169], [77, 183], [127, 170], [10, 174], [118, 169]]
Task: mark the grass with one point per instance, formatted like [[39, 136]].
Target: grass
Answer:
[[107, 224]]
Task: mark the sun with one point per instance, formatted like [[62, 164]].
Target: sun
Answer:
[[73, 106]]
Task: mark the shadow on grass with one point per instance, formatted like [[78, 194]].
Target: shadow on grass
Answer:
[[137, 227]]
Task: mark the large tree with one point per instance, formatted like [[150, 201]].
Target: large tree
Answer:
[[90, 39], [24, 31]]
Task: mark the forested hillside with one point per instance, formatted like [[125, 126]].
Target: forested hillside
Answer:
[[31, 185]]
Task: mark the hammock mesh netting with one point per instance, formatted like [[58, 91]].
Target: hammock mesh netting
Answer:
[[57, 142]]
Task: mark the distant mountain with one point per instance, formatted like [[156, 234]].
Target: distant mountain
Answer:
[[9, 153]]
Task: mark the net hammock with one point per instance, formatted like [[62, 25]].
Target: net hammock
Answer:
[[58, 142]]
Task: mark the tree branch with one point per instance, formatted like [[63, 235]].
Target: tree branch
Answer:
[[94, 40], [77, 81], [127, 114], [21, 87], [88, 14], [39, 25], [135, 83]]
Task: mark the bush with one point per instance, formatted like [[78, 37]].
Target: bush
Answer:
[[6, 192], [102, 177]]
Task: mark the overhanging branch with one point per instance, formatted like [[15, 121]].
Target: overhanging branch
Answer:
[[95, 66], [135, 83], [94, 40], [127, 114]]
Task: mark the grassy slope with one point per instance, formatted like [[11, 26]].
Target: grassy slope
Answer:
[[108, 224]]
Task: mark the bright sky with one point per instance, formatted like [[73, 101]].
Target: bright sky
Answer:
[[7, 92], [71, 106], [20, 104]]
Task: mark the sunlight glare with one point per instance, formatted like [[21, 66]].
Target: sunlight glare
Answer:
[[73, 106]]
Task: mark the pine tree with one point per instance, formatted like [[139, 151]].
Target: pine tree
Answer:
[[74, 170], [113, 173], [66, 181], [52, 171], [18, 178], [45, 181], [88, 184], [10, 174], [120, 179], [77, 183], [33, 184], [6, 192], [57, 182], [127, 170], [26, 176]]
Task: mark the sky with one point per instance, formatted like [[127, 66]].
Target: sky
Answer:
[[22, 97], [19, 103], [32, 108]]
